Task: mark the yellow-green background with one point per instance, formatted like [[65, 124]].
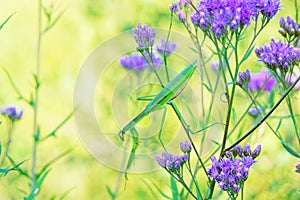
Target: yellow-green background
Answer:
[[85, 24]]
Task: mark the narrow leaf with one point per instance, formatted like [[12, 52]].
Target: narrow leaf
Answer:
[[5, 21], [248, 53], [174, 189], [38, 185], [53, 133], [199, 196], [289, 149], [109, 191], [51, 162], [160, 191], [278, 125], [271, 98], [65, 194], [207, 87]]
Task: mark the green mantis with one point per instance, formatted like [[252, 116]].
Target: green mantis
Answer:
[[169, 92]]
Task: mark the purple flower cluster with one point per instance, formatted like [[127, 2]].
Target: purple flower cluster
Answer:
[[297, 168], [220, 15], [144, 36], [169, 47], [289, 28], [244, 78], [178, 7], [138, 62], [12, 113], [278, 55], [185, 147], [171, 162], [232, 171], [255, 111], [258, 80]]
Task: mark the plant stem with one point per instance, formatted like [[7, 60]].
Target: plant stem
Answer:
[[8, 143], [266, 116], [35, 105], [183, 123]]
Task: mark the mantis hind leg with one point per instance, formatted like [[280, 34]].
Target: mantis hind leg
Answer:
[[161, 127], [135, 144]]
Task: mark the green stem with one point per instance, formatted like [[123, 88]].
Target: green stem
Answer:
[[9, 140], [266, 116], [188, 166], [166, 46], [289, 104], [296, 7], [35, 105], [183, 123]]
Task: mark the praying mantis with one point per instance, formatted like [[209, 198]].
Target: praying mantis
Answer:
[[169, 92]]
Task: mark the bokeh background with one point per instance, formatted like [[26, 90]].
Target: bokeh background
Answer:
[[83, 26]]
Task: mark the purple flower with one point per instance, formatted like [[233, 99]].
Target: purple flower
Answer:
[[258, 80], [169, 48], [255, 111], [144, 36], [270, 8], [215, 65], [278, 55], [244, 79], [171, 162], [288, 27], [178, 7], [185, 147], [256, 152], [137, 62], [297, 168], [181, 16], [12, 113], [220, 16], [237, 150], [247, 150], [231, 172]]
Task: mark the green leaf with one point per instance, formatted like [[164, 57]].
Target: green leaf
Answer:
[[279, 124], [6, 20], [248, 53], [234, 115], [112, 195], [50, 25], [229, 83], [151, 190], [14, 168], [174, 188], [0, 148], [63, 196], [37, 82], [51, 162], [198, 193], [207, 87], [38, 185], [53, 132], [158, 189], [216, 142], [289, 149], [271, 98]]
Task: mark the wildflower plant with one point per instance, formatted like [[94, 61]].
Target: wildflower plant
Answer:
[[224, 25], [34, 173]]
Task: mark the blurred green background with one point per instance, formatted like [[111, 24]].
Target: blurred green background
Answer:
[[83, 26]]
